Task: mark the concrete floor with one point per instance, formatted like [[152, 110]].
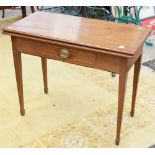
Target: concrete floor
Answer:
[[149, 52]]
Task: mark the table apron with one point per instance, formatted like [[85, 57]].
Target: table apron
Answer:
[[83, 57]]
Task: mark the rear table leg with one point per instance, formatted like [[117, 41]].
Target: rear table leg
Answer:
[[135, 84], [44, 70]]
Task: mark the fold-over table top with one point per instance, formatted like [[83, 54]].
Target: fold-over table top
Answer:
[[113, 37]]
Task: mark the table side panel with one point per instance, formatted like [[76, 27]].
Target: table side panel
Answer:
[[110, 62], [26, 46]]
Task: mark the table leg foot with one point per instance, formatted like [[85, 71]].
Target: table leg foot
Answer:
[[117, 141], [22, 112], [46, 90], [132, 113]]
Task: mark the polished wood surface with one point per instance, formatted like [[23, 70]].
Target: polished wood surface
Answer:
[[82, 31], [87, 42]]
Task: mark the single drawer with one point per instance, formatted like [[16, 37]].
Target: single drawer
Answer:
[[66, 54]]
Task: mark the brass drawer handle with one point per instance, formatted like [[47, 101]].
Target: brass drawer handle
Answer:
[[64, 53]]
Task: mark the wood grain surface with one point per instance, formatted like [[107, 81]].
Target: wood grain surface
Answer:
[[81, 31]]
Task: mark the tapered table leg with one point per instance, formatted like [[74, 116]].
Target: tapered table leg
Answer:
[[18, 72], [121, 96], [44, 70], [135, 84]]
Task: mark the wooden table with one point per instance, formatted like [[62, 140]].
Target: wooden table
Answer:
[[93, 43]]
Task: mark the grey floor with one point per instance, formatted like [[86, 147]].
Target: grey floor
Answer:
[[148, 54]]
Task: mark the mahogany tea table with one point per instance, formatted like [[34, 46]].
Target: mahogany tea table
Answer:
[[104, 45]]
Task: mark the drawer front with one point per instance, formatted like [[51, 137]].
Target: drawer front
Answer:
[[66, 54]]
